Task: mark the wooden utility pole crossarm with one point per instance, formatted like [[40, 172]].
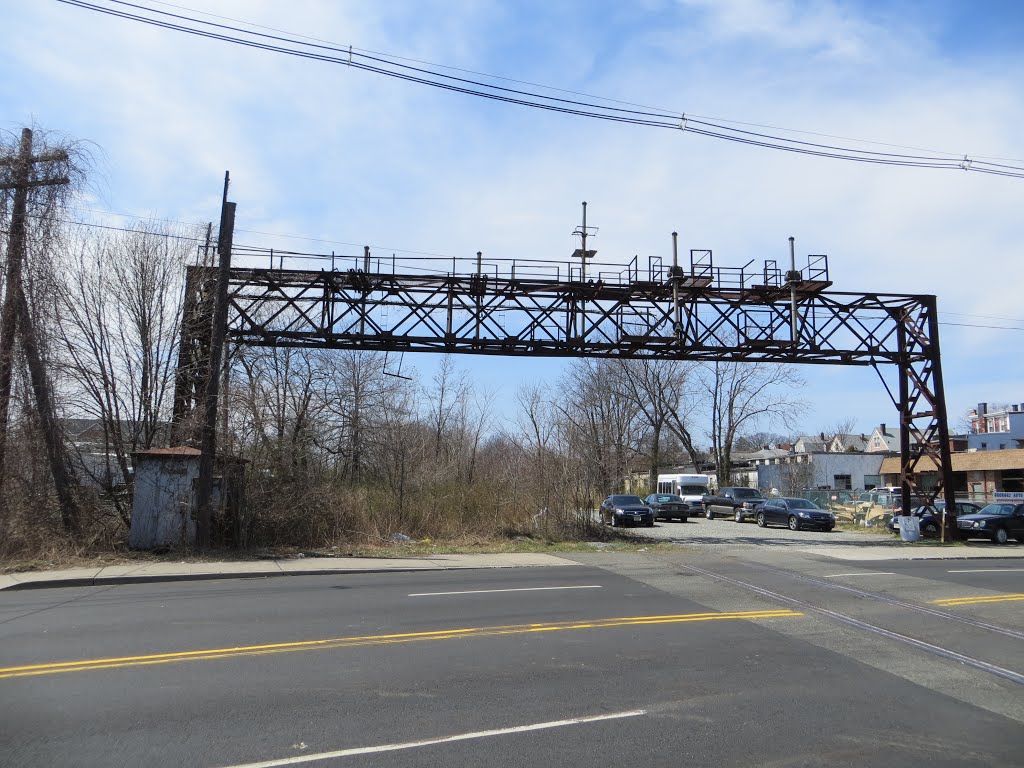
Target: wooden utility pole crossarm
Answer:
[[16, 316]]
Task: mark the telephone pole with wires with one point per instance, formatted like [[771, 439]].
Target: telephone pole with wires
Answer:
[[16, 320]]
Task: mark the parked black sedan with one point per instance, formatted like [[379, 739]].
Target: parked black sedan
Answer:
[[626, 510], [796, 513], [668, 506], [930, 518], [999, 522]]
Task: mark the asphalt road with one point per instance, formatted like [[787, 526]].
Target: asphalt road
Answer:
[[668, 659]]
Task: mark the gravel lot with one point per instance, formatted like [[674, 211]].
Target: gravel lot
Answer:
[[700, 531]]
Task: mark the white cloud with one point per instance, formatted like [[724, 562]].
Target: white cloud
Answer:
[[322, 150], [828, 30]]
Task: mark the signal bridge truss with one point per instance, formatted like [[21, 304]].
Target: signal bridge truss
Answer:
[[696, 311]]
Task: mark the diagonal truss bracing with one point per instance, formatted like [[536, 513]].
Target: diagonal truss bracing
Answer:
[[481, 315], [674, 315]]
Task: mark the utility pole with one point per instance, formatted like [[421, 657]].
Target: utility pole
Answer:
[[582, 254], [677, 311], [16, 313], [208, 443], [793, 278]]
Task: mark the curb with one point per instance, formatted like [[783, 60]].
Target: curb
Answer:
[[102, 581]]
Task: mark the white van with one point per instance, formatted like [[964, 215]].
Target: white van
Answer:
[[692, 488]]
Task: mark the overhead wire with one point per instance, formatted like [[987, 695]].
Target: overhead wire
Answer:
[[390, 66], [573, 92], [261, 250], [637, 114], [339, 47]]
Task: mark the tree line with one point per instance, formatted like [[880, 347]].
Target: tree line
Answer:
[[338, 448]]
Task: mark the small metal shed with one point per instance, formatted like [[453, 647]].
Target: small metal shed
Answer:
[[164, 498]]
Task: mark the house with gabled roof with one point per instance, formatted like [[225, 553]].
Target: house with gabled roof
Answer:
[[883, 440]]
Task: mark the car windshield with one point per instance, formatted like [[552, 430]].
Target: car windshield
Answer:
[[620, 500], [747, 493], [1003, 510], [666, 497], [801, 504]]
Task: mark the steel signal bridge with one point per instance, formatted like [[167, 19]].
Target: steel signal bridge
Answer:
[[689, 309]]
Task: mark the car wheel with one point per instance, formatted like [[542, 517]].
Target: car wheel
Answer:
[[930, 530], [794, 524], [739, 517], [709, 514], [829, 529], [1000, 536], [761, 522], [650, 524]]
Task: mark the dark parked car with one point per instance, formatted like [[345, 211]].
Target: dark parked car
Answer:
[[931, 517], [999, 522], [796, 513], [668, 505], [626, 510]]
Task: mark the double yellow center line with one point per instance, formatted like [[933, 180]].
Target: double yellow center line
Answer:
[[32, 670], [980, 599]]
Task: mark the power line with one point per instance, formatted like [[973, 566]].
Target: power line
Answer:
[[93, 225], [340, 47], [994, 327], [987, 317], [259, 232], [632, 114], [252, 251], [136, 216]]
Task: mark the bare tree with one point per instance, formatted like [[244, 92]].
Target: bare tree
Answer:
[[361, 395], [600, 426], [659, 390], [280, 399], [743, 395], [119, 298], [838, 432], [796, 476], [758, 439], [36, 182], [446, 398]]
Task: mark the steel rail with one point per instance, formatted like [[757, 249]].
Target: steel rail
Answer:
[[946, 615], [937, 650]]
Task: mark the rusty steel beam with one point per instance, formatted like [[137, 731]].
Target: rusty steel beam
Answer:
[[700, 314], [482, 315]]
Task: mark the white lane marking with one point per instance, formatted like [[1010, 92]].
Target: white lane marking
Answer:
[[486, 591], [439, 740], [877, 573], [990, 570]]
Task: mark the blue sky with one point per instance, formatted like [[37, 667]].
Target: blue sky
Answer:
[[326, 152]]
